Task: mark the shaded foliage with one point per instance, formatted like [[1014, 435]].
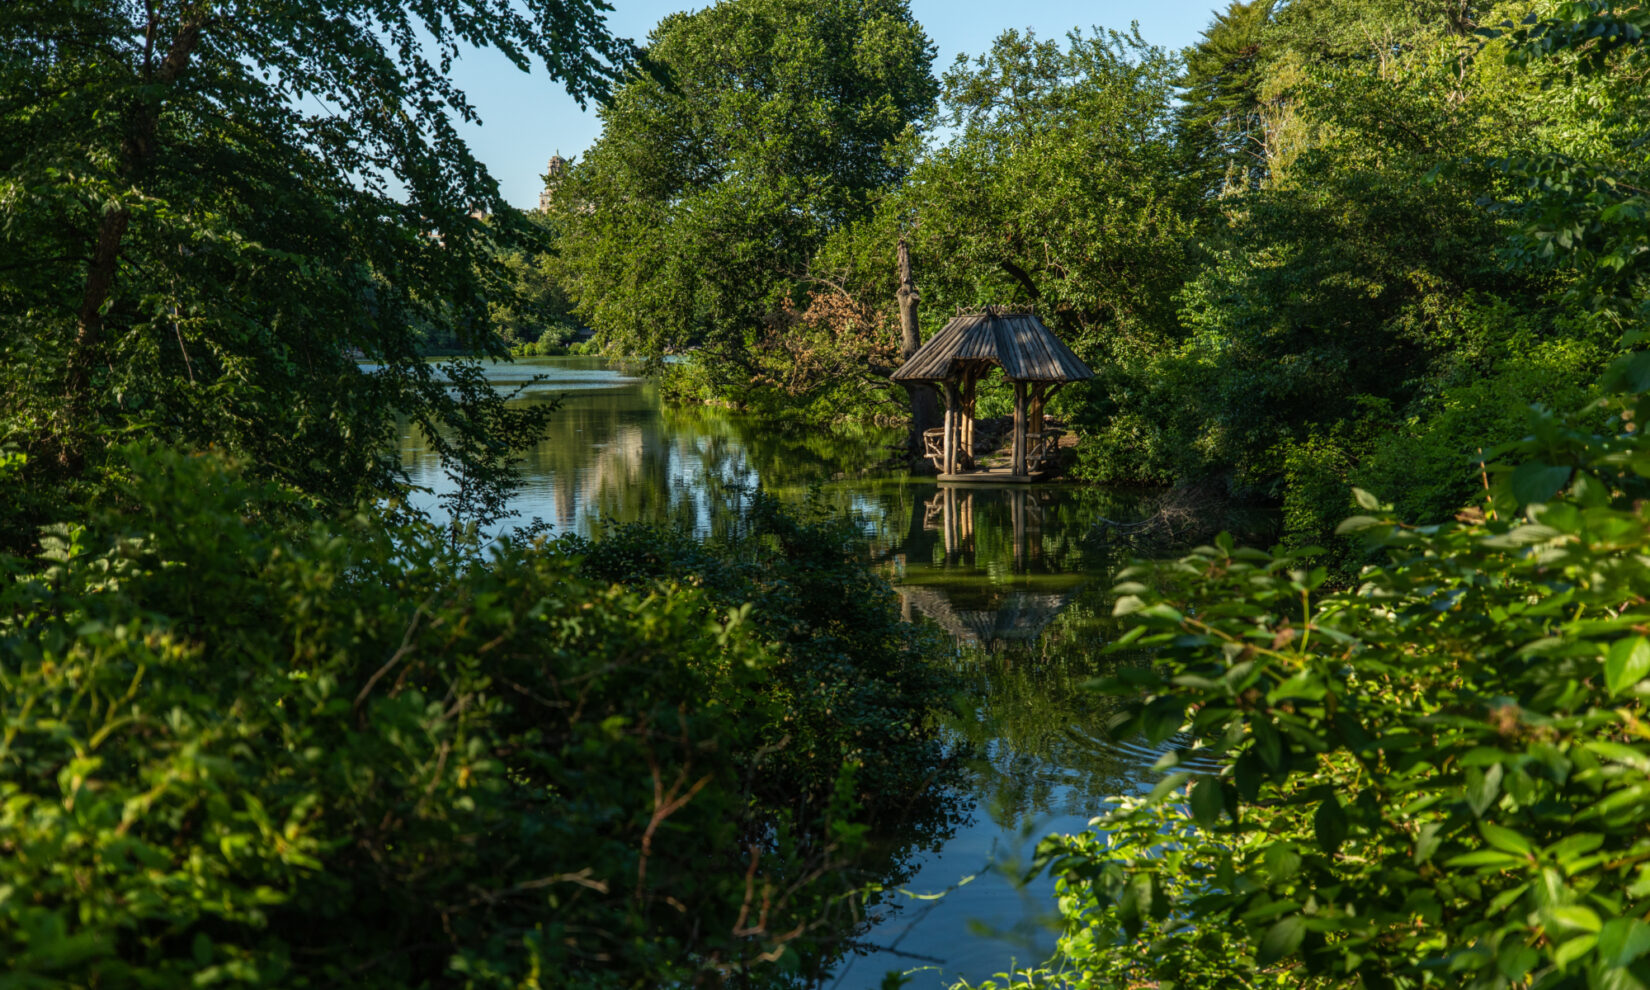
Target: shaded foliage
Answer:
[[1220, 124], [251, 745], [210, 212], [1058, 190], [857, 683], [1433, 778]]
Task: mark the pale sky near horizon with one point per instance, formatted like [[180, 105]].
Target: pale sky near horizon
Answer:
[[527, 118]]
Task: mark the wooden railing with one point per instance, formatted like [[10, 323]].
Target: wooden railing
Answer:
[[933, 446], [1042, 449]]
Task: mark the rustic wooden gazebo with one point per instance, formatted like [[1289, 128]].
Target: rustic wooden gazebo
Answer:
[[1032, 359]]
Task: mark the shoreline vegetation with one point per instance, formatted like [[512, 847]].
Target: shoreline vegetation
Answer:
[[1384, 266]]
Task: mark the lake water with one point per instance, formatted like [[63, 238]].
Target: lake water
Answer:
[[1014, 577]]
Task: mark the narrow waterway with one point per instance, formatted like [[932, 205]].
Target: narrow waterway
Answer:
[[1014, 578]]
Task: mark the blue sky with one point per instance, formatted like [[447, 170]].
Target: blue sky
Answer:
[[526, 118]]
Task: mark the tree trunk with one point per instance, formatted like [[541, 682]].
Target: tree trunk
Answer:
[[137, 148], [925, 414], [100, 278]]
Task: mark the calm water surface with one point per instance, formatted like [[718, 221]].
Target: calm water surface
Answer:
[[1012, 577]]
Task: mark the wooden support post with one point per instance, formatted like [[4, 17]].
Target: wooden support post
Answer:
[[1019, 458], [945, 441], [972, 395], [952, 414], [1034, 423], [966, 442]]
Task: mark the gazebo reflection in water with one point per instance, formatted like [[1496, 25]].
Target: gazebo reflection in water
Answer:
[[951, 513], [966, 589]]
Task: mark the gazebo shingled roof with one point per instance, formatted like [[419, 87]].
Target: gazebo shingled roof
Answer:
[[1033, 360], [1026, 350]]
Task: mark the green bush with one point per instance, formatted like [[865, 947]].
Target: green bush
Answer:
[[1315, 494], [1430, 466], [1436, 778], [855, 682], [543, 347], [1440, 777], [244, 747], [555, 341]]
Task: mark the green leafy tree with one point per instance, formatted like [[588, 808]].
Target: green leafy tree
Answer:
[[1059, 188], [1435, 778], [1363, 320], [210, 211], [1219, 121], [753, 129], [1053, 191], [1587, 195], [529, 309]]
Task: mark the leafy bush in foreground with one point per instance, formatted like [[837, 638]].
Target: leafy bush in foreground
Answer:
[[338, 754], [1440, 777]]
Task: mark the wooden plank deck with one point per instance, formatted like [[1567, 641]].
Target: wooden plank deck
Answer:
[[993, 476]]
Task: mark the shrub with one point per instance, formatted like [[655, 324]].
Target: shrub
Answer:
[[855, 682], [242, 746], [1314, 484], [1439, 775], [1429, 467]]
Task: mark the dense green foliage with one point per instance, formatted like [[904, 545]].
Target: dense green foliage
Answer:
[[859, 681], [210, 212], [243, 746], [1059, 190], [1436, 777], [1361, 297], [1221, 120], [528, 313], [1291, 282], [1315, 249], [254, 734], [751, 131]]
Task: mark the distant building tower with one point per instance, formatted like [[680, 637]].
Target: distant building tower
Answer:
[[553, 174]]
